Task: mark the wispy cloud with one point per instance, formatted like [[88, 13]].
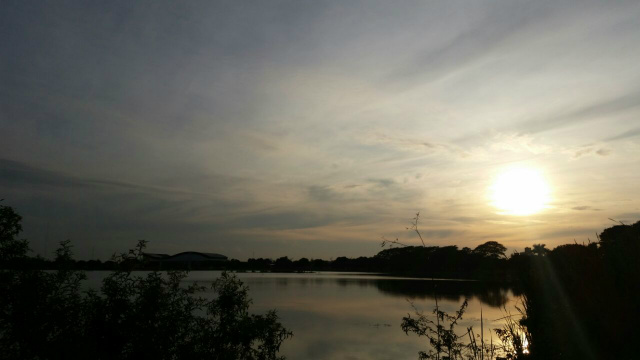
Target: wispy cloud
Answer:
[[625, 135], [419, 146], [14, 173], [598, 110], [585, 207], [594, 150], [482, 36], [322, 193], [518, 143]]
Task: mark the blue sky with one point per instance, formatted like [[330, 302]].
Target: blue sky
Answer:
[[313, 128]]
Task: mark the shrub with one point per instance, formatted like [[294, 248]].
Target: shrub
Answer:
[[47, 315]]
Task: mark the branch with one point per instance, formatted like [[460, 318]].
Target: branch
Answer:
[[618, 221], [385, 242], [414, 227]]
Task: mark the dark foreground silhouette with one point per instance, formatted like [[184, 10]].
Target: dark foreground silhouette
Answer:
[[580, 301], [583, 301], [46, 315]]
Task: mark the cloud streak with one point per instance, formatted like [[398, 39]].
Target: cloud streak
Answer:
[[595, 111]]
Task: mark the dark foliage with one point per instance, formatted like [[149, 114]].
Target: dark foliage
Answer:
[[47, 315], [491, 249], [440, 330], [583, 300], [442, 262], [11, 248], [580, 301], [283, 264]]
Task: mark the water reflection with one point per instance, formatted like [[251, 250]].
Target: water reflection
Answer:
[[358, 316], [493, 295], [488, 294]]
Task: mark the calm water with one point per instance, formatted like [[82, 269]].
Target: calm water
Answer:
[[358, 316]]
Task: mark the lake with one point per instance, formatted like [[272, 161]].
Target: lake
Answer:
[[358, 316]]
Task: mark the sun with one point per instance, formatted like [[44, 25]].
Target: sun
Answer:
[[520, 191]]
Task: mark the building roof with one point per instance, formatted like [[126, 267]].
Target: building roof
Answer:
[[212, 256], [155, 256], [185, 256]]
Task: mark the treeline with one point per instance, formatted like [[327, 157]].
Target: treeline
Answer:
[[485, 262]]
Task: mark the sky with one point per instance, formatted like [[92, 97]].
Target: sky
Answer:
[[314, 128]]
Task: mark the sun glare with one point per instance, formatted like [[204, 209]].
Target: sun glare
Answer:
[[520, 191]]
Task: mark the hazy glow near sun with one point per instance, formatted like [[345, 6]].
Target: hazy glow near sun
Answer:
[[520, 191]]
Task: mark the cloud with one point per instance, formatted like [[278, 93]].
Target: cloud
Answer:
[[419, 146], [625, 135], [191, 123], [579, 153], [17, 174], [526, 143], [518, 143], [286, 220], [628, 218], [440, 233], [322, 193], [586, 150], [483, 36], [581, 208], [601, 109], [116, 212], [385, 183], [20, 175], [465, 219]]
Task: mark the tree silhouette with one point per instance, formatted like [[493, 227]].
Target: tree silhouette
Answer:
[[10, 226], [540, 249], [491, 249]]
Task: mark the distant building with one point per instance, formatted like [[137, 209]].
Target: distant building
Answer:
[[154, 257], [186, 257]]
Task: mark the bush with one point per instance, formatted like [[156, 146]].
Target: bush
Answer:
[[46, 315]]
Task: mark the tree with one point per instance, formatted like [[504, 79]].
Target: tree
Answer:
[[621, 240], [302, 264], [540, 249], [283, 264], [10, 226], [491, 249]]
